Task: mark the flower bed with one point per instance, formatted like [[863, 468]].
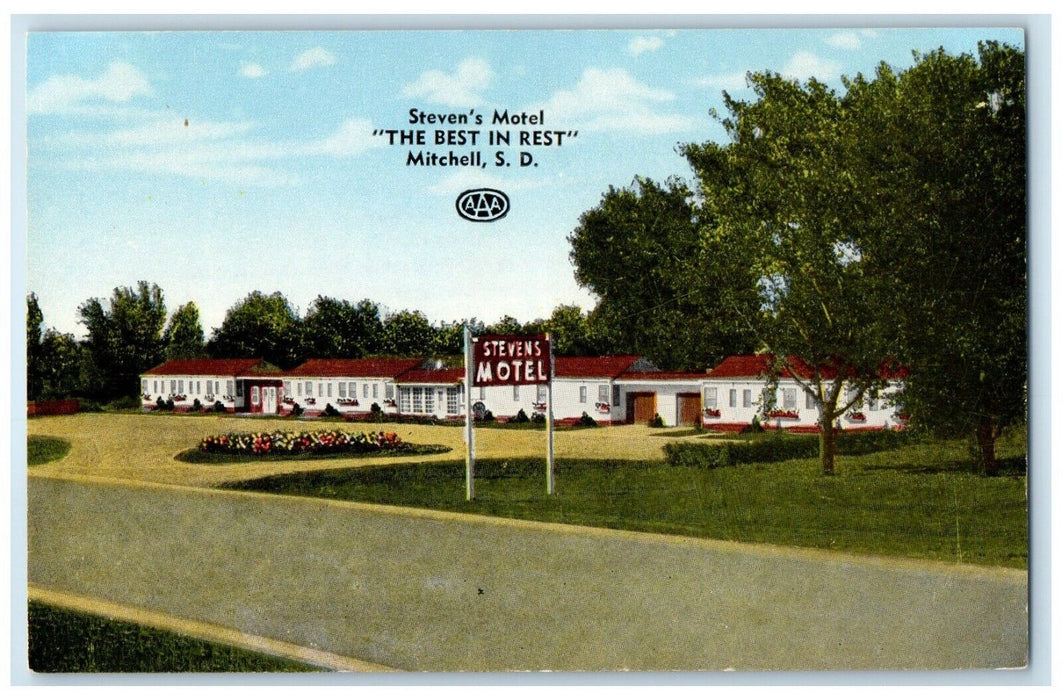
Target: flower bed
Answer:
[[281, 442]]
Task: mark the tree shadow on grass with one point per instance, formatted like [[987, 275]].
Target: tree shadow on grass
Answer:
[[1009, 467]]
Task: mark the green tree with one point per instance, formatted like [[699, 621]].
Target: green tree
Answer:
[[124, 338], [260, 326], [337, 328], [945, 144], [183, 337], [66, 366], [784, 192], [34, 368], [407, 334], [664, 290], [569, 329]]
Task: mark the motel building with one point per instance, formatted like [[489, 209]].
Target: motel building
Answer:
[[614, 389], [736, 390]]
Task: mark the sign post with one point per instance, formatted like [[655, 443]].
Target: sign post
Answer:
[[470, 435], [551, 487], [512, 360]]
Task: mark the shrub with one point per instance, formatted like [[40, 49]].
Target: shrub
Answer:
[[160, 404], [753, 427], [219, 407], [657, 421], [521, 417], [538, 417], [197, 405], [586, 421], [296, 410], [777, 448], [124, 403], [330, 411], [376, 412], [488, 417]]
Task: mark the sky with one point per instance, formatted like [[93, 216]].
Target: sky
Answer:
[[219, 163]]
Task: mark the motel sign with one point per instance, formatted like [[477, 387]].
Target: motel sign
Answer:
[[506, 360]]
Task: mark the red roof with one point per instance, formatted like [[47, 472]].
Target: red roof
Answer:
[[651, 376], [608, 366], [756, 366], [367, 367], [432, 376], [210, 367]]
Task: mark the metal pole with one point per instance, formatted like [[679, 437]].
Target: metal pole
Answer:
[[551, 486], [470, 447]]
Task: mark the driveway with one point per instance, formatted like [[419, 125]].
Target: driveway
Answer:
[[429, 591]]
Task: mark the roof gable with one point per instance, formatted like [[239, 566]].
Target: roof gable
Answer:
[[610, 366], [758, 366]]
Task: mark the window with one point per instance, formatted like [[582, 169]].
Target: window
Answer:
[[155, 385], [180, 386], [143, 385], [352, 390], [615, 395], [418, 399], [342, 390], [746, 398], [254, 394], [849, 397], [198, 387], [602, 393], [364, 391], [228, 387], [309, 388], [405, 402], [733, 398], [173, 386], [375, 390], [239, 388], [873, 403], [789, 399], [540, 393], [582, 394], [711, 396], [287, 388], [516, 392], [329, 387], [809, 400], [452, 405], [429, 400], [389, 391]]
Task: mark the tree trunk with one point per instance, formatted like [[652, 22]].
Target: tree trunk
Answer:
[[827, 444], [986, 443]]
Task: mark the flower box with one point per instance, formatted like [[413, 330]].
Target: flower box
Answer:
[[712, 413], [857, 417], [603, 407], [348, 402], [539, 406], [784, 414]]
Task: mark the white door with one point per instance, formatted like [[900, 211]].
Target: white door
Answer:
[[269, 399]]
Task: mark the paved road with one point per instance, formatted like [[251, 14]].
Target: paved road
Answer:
[[415, 590]]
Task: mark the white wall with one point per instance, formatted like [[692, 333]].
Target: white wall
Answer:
[[192, 388], [328, 390]]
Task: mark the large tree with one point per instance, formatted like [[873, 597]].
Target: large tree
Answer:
[[260, 326], [663, 289], [183, 337], [124, 338], [337, 328], [34, 368], [407, 334], [783, 191], [943, 144]]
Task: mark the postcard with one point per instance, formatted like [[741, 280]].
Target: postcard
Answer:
[[588, 350]]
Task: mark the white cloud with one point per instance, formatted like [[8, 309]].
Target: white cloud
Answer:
[[462, 179], [844, 40], [252, 70], [612, 100], [120, 83], [731, 82], [159, 130], [354, 136], [461, 88], [640, 44], [316, 57], [804, 65]]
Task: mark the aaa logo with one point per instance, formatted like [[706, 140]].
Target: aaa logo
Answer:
[[482, 204]]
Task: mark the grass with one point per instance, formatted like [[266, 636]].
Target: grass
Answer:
[[64, 641], [41, 449], [922, 500]]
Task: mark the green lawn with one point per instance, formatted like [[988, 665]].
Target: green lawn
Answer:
[[63, 641], [41, 449], [923, 500]]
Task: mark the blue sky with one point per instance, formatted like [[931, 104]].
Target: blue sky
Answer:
[[217, 163]]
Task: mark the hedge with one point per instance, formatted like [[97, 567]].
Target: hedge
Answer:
[[779, 448]]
